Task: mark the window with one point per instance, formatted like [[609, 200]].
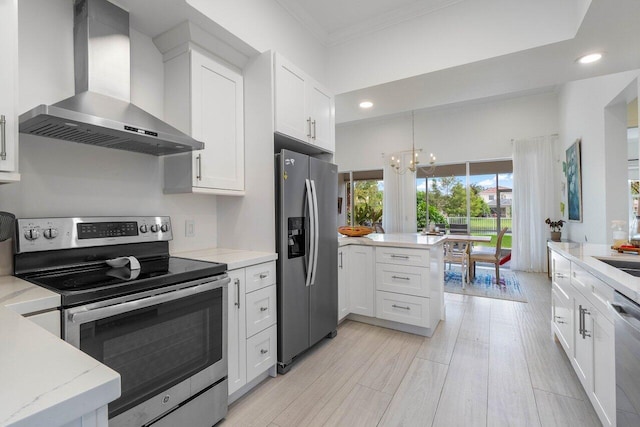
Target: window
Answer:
[[368, 188], [478, 201]]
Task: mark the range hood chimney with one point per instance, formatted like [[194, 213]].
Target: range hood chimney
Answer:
[[101, 112]]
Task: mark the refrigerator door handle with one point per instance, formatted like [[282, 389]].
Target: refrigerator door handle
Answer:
[[316, 232], [312, 232]]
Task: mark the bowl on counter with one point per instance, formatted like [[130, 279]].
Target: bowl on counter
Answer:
[[355, 231]]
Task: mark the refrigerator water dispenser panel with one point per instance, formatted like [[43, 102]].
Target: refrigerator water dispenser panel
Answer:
[[295, 237]]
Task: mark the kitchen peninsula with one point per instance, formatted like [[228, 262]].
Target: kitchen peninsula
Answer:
[[393, 280]]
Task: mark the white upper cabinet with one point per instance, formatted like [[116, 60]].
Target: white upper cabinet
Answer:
[[205, 99], [304, 110], [9, 91]]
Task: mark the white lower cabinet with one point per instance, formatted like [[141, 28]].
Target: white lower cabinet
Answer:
[[361, 280], [400, 285], [585, 328], [252, 331]]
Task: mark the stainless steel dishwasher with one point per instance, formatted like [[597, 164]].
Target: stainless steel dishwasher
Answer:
[[627, 326]]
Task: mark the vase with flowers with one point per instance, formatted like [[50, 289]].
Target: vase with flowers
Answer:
[[556, 229]]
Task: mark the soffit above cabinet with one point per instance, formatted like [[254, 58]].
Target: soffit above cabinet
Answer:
[[177, 20]]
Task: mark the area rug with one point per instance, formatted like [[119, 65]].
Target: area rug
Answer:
[[484, 284]]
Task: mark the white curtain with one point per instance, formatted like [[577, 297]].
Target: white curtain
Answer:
[[399, 198], [533, 199], [391, 201]]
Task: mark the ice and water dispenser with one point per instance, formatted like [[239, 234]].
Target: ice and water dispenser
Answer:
[[295, 237]]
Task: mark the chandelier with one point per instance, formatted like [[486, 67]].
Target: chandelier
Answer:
[[414, 162]]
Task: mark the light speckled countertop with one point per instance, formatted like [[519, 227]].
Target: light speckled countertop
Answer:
[[402, 240], [234, 258], [43, 380], [586, 254]]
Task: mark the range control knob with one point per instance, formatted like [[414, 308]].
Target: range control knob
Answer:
[[50, 233], [164, 228], [144, 228], [32, 233], [154, 228]]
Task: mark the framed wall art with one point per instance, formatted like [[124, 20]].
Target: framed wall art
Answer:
[[574, 182]]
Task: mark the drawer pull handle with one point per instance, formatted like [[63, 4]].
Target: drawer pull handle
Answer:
[[560, 276], [3, 136], [399, 256], [264, 275], [400, 277], [264, 308], [401, 306], [263, 351]]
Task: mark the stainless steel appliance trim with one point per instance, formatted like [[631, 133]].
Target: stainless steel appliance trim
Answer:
[[3, 136], [112, 310], [67, 237], [312, 232], [316, 236], [624, 317]]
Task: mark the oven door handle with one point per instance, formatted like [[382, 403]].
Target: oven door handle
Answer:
[[89, 315]]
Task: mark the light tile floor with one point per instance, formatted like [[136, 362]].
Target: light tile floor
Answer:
[[490, 363]]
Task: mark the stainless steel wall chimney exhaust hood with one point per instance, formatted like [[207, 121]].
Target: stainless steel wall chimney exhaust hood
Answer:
[[101, 112]]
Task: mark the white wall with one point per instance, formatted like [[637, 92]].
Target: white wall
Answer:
[[459, 34], [64, 178], [582, 115], [471, 132], [265, 25]]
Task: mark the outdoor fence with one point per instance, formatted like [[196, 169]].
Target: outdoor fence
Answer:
[[482, 225]]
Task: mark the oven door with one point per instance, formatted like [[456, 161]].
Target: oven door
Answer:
[[157, 342]]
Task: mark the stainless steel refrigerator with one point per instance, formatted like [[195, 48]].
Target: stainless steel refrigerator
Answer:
[[307, 245]]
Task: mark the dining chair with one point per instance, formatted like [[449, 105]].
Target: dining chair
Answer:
[[487, 254], [458, 253]]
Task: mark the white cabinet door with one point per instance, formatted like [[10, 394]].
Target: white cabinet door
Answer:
[[583, 337], [322, 112], [204, 99], [604, 368], [9, 90], [304, 110], [343, 287], [236, 336], [292, 116], [361, 281], [217, 120]]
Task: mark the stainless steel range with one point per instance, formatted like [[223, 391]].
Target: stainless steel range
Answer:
[[159, 321]]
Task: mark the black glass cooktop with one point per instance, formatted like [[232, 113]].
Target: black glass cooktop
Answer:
[[80, 285]]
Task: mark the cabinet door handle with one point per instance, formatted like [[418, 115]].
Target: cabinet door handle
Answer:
[[400, 278], [3, 137], [237, 283], [263, 351], [399, 256], [309, 127], [314, 129], [401, 306], [264, 275], [585, 333], [340, 259], [264, 308], [199, 167], [580, 320]]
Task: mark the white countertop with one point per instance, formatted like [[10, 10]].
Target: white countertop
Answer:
[[402, 240], [234, 258], [585, 254], [43, 380]]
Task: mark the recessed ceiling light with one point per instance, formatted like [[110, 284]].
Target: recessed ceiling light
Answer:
[[588, 59], [366, 104]]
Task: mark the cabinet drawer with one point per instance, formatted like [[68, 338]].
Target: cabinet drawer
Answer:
[[402, 256], [260, 276], [261, 352], [261, 309], [404, 279], [402, 308], [595, 290], [561, 268]]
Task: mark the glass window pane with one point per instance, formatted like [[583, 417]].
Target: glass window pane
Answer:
[[368, 202]]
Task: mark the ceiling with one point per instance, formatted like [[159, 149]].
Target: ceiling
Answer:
[[336, 21]]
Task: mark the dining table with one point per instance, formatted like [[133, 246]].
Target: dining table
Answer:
[[469, 239]]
